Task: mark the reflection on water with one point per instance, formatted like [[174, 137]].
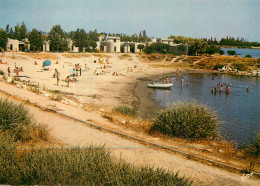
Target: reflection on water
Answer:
[[238, 111]]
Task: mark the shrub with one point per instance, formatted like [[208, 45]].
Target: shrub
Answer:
[[240, 66], [218, 66], [16, 119], [7, 141], [248, 55], [253, 149], [187, 120], [221, 52], [231, 52], [126, 110], [91, 166]]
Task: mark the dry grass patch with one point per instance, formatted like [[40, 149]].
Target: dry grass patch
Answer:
[[101, 55], [125, 56], [152, 57], [41, 55], [75, 55]]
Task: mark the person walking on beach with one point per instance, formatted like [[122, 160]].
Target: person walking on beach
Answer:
[[58, 77], [8, 71], [177, 72]]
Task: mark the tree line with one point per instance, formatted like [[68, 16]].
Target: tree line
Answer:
[[58, 38], [86, 41]]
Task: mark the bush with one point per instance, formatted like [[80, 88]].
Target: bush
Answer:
[[231, 52], [126, 110], [254, 148], [240, 66], [187, 120], [221, 52], [91, 166], [248, 55], [17, 121], [218, 67]]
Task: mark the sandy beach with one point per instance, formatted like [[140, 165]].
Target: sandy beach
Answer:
[[96, 84]]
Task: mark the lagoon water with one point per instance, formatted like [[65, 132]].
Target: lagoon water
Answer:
[[255, 53], [239, 112]]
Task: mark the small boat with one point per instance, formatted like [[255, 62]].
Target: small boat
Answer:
[[160, 85]]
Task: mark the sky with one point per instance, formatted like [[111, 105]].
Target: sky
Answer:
[[159, 18]]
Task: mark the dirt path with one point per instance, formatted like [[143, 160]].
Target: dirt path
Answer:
[[75, 133]]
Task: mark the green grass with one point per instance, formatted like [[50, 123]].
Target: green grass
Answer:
[[126, 110], [17, 121], [93, 166], [187, 120], [253, 148]]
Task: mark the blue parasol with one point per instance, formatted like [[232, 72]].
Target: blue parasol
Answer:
[[73, 71], [47, 63]]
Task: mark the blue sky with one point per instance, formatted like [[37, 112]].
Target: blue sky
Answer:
[[160, 18]]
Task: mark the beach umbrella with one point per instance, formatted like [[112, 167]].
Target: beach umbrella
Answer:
[[73, 71], [47, 63]]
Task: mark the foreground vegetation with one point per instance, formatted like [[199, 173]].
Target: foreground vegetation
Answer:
[[92, 166], [89, 166], [16, 120]]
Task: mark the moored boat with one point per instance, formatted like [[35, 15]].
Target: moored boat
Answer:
[[160, 85]]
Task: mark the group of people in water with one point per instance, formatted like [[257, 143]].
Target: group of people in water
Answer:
[[219, 88]]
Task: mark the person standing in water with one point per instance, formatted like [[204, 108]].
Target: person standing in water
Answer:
[[182, 81], [227, 90]]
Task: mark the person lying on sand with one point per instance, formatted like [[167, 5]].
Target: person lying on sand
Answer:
[[3, 63], [115, 74], [129, 69]]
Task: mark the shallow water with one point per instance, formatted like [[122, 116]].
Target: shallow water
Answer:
[[238, 111]]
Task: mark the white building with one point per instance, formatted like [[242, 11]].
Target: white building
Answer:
[[109, 44], [16, 45], [46, 46], [72, 47]]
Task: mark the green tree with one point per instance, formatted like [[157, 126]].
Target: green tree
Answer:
[[3, 39], [199, 46], [248, 55], [20, 31], [36, 39], [80, 39], [57, 38], [140, 47], [212, 49]]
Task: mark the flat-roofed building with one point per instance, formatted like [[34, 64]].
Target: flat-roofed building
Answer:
[[109, 44]]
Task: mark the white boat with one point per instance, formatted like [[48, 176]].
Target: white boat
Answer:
[[160, 85]]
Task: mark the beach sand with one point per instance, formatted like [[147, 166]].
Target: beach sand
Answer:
[[96, 85]]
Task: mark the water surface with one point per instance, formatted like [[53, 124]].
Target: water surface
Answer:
[[255, 53], [239, 111]]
